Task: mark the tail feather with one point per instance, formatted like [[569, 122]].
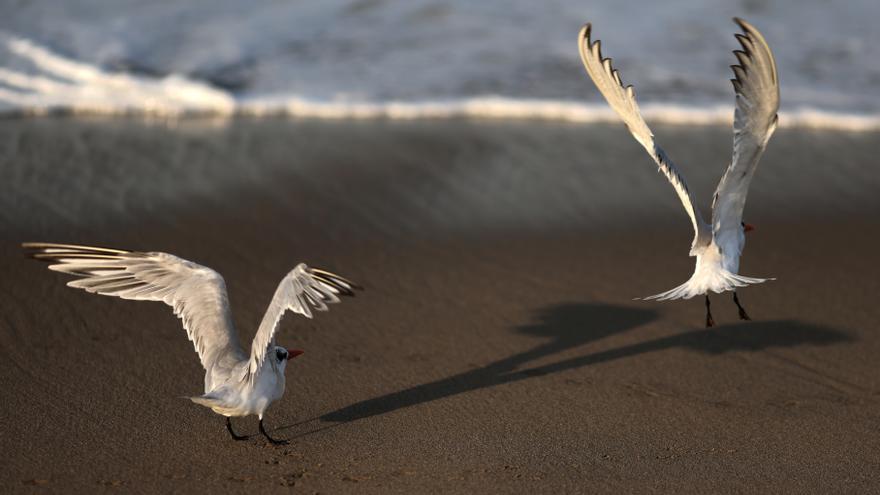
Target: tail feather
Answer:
[[217, 404], [696, 286], [683, 291], [205, 400]]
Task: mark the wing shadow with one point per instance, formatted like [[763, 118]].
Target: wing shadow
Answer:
[[567, 326], [572, 325]]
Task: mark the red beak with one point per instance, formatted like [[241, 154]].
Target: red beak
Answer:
[[292, 353], [748, 227]]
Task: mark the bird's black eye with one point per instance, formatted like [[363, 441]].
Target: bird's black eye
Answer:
[[281, 354]]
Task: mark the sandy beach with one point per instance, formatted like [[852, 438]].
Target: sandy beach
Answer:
[[497, 347]]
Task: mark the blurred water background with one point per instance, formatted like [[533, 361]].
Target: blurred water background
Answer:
[[429, 58]]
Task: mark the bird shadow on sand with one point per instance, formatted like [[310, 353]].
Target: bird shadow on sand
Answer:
[[571, 325]]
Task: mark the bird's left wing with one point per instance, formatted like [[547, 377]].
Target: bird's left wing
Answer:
[[301, 290], [757, 100], [623, 101]]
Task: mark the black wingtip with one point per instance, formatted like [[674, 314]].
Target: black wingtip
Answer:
[[737, 86], [585, 30], [745, 42], [740, 76], [32, 249], [747, 28], [584, 36], [343, 285], [41, 257]]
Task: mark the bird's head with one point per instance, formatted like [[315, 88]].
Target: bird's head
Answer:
[[282, 356], [747, 227]]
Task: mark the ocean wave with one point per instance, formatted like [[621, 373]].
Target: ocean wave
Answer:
[[63, 85], [501, 108]]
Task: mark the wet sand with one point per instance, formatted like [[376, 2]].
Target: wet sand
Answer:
[[496, 348]]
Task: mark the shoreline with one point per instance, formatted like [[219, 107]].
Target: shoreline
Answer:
[[408, 179], [486, 109]]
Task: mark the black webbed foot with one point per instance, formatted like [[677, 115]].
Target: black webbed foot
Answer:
[[269, 438], [235, 436]]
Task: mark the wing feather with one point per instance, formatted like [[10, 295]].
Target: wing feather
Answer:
[[622, 100], [300, 291], [196, 293], [756, 85]]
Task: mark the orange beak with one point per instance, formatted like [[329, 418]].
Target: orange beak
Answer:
[[748, 227], [292, 353]]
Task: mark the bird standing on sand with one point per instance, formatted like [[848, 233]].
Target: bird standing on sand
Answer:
[[235, 384], [718, 246]]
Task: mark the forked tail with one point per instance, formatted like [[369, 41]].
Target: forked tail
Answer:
[[697, 285]]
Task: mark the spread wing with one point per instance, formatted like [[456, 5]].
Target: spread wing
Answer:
[[301, 290], [757, 99], [623, 101], [197, 294]]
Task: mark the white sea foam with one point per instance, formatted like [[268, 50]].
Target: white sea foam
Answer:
[[77, 87], [54, 83], [494, 107]]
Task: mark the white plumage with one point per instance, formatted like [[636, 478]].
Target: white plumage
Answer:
[[718, 246], [236, 383]]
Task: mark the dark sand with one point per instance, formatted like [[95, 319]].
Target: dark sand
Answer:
[[497, 347]]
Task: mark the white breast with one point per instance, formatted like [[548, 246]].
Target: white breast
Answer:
[[245, 397]]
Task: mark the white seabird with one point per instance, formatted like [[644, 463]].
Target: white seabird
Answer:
[[718, 246], [236, 384]]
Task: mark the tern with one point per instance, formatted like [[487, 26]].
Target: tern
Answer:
[[718, 246], [236, 384]]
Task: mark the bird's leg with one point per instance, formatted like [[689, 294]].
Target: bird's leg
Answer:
[[710, 322], [235, 436], [270, 439], [742, 312]]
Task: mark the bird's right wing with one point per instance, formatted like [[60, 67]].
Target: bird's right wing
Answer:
[[197, 293], [756, 85], [623, 101], [302, 289]]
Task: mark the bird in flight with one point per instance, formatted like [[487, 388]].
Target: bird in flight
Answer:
[[236, 384], [718, 246]]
